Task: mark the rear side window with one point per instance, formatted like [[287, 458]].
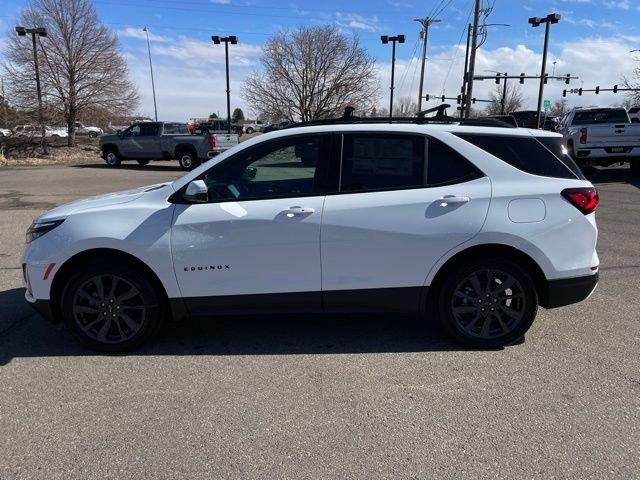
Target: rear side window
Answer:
[[382, 162], [594, 117], [555, 146], [445, 165], [175, 129], [524, 153]]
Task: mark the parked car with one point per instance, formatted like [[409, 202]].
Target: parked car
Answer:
[[254, 127], [5, 132], [634, 114], [551, 123], [526, 118], [148, 141], [601, 136], [277, 126], [35, 131], [93, 132], [217, 126], [498, 222]]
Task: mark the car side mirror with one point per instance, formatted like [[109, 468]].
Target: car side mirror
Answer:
[[197, 192]]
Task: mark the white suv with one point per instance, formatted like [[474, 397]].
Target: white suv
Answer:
[[482, 223]]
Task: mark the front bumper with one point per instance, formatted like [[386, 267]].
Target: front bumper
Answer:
[[566, 291]]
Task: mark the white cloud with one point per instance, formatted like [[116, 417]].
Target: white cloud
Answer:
[[359, 22], [621, 4], [139, 34], [221, 2]]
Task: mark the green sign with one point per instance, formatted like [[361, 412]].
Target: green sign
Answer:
[[547, 104]]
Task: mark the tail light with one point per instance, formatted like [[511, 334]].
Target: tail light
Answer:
[[583, 136], [212, 142], [584, 199]]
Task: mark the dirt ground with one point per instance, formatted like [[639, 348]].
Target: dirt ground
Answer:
[[27, 151]]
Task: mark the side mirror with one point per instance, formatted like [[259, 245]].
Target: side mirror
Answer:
[[197, 192]]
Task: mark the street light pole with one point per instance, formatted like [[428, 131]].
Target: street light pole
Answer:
[[41, 32], [536, 22], [153, 86], [465, 78], [425, 22], [385, 40], [233, 40]]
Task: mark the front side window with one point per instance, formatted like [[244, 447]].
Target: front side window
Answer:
[[291, 167], [382, 162], [133, 131], [149, 129]]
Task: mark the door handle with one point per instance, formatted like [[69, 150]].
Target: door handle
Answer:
[[298, 211], [453, 200]]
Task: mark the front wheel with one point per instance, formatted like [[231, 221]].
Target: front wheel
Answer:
[[250, 130], [112, 158], [110, 307], [188, 161], [488, 303]]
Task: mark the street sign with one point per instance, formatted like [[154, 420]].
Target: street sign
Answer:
[[547, 104]]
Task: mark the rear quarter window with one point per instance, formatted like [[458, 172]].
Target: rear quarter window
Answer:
[[524, 153]]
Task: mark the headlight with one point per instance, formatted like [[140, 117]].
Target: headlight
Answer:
[[38, 229]]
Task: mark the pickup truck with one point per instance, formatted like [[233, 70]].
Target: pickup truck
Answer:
[[601, 136], [148, 141]]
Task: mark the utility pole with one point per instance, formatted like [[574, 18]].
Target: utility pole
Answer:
[[153, 86], [536, 22], [233, 40], [425, 22], [472, 59], [465, 76], [41, 32], [385, 40]]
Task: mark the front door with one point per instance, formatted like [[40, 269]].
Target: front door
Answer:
[[256, 243], [405, 200], [141, 141]]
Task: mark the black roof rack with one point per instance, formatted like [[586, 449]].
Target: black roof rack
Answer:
[[440, 117]]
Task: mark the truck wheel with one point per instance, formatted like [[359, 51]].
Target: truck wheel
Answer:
[[112, 158], [635, 167], [188, 161], [142, 163]]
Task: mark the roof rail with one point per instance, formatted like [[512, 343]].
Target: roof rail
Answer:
[[440, 117]]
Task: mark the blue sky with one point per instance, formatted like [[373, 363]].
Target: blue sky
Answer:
[[592, 40]]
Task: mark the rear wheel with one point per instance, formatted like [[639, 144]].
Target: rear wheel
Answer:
[[112, 158], [188, 160], [488, 303], [250, 130], [110, 307]]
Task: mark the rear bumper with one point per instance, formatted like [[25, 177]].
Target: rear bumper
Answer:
[[566, 291]]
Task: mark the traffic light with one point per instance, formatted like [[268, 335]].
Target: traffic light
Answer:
[[443, 98], [615, 89], [580, 92], [473, 100], [597, 90], [426, 97], [522, 78], [546, 78], [459, 99], [568, 80], [564, 93], [498, 79]]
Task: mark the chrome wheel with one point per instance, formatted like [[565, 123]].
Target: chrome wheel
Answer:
[[112, 158], [108, 309], [488, 304], [186, 161]]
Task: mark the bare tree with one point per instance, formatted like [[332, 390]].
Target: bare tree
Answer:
[[405, 107], [81, 67], [560, 107], [513, 100], [633, 82], [311, 73]]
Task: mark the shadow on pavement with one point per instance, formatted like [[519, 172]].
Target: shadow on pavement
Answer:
[[31, 336], [133, 166], [612, 175]]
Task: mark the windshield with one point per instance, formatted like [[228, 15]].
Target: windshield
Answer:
[[594, 117]]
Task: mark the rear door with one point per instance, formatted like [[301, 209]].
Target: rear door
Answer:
[[404, 201]]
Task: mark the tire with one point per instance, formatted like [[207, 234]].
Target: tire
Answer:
[[635, 167], [142, 163], [250, 130], [188, 160], [112, 158], [108, 319], [480, 313], [93, 134]]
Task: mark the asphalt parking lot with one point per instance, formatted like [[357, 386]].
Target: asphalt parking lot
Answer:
[[317, 397]]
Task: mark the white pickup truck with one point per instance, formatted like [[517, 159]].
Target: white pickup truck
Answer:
[[601, 136]]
